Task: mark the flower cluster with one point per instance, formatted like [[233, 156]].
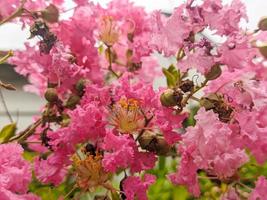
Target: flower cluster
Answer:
[[104, 116]]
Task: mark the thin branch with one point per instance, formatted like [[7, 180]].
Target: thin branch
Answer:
[[185, 100], [17, 13], [110, 63], [147, 121], [69, 193], [5, 57], [5, 106], [22, 136]]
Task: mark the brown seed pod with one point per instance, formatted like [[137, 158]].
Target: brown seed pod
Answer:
[[154, 143], [187, 86]]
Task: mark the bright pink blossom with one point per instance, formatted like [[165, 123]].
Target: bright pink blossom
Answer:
[[187, 173], [135, 187], [259, 193], [15, 173]]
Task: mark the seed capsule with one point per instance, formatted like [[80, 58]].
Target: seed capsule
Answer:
[[51, 95], [72, 101], [154, 143], [170, 98], [186, 86]]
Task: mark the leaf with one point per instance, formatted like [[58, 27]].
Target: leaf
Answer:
[[7, 132], [172, 75], [115, 196]]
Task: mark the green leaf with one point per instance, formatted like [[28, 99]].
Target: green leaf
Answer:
[[172, 75], [7, 132], [115, 196]]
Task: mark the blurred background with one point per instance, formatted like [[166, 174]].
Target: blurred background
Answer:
[[23, 106]]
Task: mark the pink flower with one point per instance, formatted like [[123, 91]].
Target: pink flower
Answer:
[[119, 152], [168, 34], [259, 193], [8, 195], [52, 169], [167, 121], [198, 60], [122, 152], [231, 194], [217, 16], [211, 140], [135, 187], [15, 173], [187, 173], [236, 52]]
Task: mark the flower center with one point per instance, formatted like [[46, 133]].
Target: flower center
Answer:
[[89, 171], [127, 116]]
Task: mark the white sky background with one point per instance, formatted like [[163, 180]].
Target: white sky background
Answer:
[[12, 37]]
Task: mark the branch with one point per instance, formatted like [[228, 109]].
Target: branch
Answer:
[[22, 136], [5, 106], [17, 13]]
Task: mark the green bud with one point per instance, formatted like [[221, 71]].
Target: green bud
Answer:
[[51, 95], [263, 51], [214, 72], [72, 101], [80, 85], [169, 98]]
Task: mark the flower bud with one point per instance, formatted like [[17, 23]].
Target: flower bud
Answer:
[[170, 98], [263, 51], [263, 24], [72, 101], [214, 72], [51, 95], [80, 86], [50, 14]]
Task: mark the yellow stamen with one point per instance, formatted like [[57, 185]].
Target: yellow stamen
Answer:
[[127, 116]]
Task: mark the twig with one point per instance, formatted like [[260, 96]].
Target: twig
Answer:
[[110, 63], [5, 57], [68, 194], [147, 121], [5, 106], [195, 98], [17, 13], [22, 136], [185, 100], [245, 186]]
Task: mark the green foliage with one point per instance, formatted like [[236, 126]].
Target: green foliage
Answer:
[[190, 120], [172, 75], [7, 132], [163, 189], [51, 192]]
